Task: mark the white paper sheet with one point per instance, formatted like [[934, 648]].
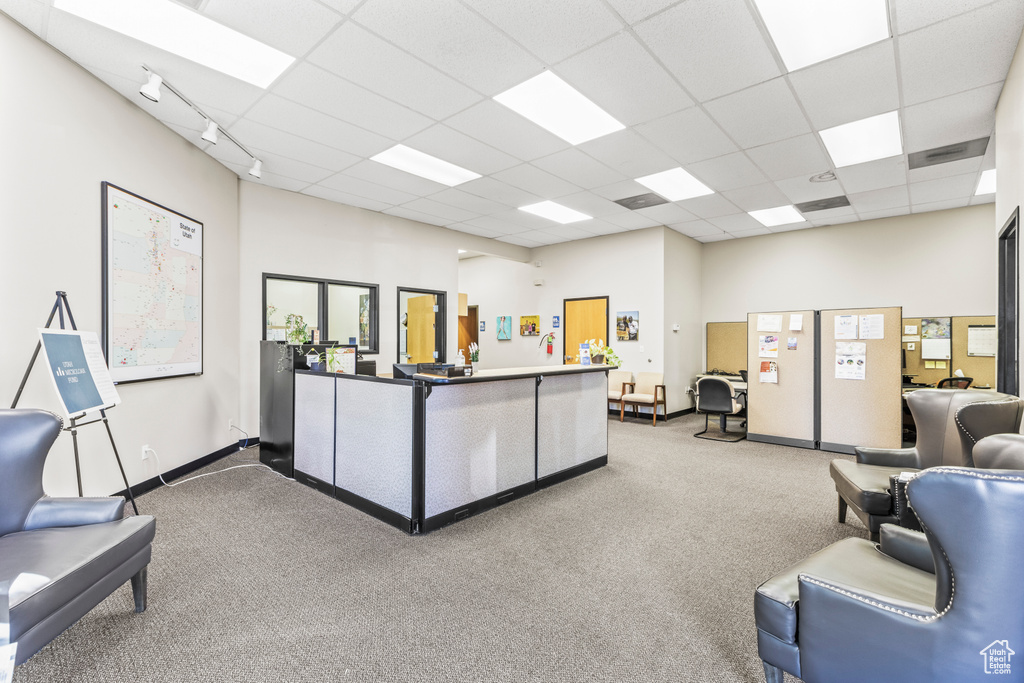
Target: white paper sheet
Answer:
[[910, 329], [769, 372], [851, 360], [935, 349], [767, 346], [982, 341], [769, 323], [872, 326], [846, 327], [796, 322]]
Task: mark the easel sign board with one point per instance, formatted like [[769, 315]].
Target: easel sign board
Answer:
[[79, 373]]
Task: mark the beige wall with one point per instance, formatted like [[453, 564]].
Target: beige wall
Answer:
[[62, 133], [684, 355]]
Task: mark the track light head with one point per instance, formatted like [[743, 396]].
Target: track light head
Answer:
[[257, 168], [210, 134], [151, 90]]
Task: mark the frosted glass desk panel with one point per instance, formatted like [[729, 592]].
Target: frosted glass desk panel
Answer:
[[374, 447], [572, 421], [314, 416], [480, 441]]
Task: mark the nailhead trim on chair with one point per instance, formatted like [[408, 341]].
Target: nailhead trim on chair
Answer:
[[956, 415]]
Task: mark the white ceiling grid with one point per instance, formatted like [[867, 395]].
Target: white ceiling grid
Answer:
[[697, 83]]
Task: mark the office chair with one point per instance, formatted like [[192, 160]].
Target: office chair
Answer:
[[716, 396], [954, 383], [743, 375]]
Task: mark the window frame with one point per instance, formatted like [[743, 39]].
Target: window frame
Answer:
[[323, 304]]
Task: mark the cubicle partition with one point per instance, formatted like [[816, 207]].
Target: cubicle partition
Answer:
[[974, 359], [726, 347]]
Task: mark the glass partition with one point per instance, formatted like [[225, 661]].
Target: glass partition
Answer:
[[343, 312]]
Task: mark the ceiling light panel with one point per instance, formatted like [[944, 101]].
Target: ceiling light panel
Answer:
[[675, 185], [177, 29], [557, 107], [876, 137], [413, 161], [987, 184], [555, 212], [806, 32], [780, 215]]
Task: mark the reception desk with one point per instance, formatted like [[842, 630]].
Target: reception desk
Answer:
[[426, 452]]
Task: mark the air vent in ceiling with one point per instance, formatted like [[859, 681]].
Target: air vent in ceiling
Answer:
[[822, 204], [641, 201], [943, 155]]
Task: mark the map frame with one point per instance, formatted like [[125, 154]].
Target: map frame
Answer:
[[111, 251]]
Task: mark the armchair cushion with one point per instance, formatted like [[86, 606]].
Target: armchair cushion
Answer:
[[907, 458], [58, 512], [906, 545], [638, 398], [864, 486]]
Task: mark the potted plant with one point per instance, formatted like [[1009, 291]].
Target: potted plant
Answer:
[[295, 329], [474, 353], [599, 353]]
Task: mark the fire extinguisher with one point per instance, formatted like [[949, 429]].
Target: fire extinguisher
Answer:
[[549, 340]]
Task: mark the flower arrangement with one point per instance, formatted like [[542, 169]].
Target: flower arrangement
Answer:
[[474, 352], [295, 328], [597, 348]]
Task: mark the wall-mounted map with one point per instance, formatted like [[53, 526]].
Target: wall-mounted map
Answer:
[[153, 289]]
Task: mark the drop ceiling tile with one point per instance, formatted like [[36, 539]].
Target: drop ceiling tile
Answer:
[[943, 189], [457, 148], [541, 237], [696, 229], [622, 78], [599, 227], [343, 6], [836, 220], [551, 30], [496, 224], [500, 192], [388, 176], [524, 219], [576, 167], [850, 87], [719, 35], [734, 223], [363, 188], [269, 179], [293, 27], [468, 202], [688, 136], [357, 55], [621, 190], [950, 168], [727, 172], [591, 204], [345, 198], [440, 210], [755, 197], [800, 189], [739, 234], [635, 10], [665, 214], [797, 156], [631, 220], [778, 115], [928, 73], [285, 115], [897, 197], [536, 181], [914, 14], [418, 216], [840, 214], [474, 230], [502, 128], [790, 227], [927, 207], [325, 92], [259, 136], [514, 239], [284, 166], [29, 13], [873, 175], [576, 231], [709, 206], [721, 237], [628, 154], [948, 120], [884, 213], [454, 39]]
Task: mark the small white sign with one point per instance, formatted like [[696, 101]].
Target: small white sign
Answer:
[[796, 322], [769, 323]]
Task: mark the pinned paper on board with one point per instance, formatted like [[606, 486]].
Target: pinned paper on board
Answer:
[[769, 323], [851, 360], [769, 372], [910, 329], [768, 346], [791, 344], [846, 327], [796, 322], [872, 326], [929, 365]]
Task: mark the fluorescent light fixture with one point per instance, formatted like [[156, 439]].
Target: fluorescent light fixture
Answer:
[[987, 184], [210, 134], [257, 168], [413, 161], [555, 212], [462, 251], [806, 32], [875, 137], [780, 215], [556, 106], [675, 184], [151, 90], [179, 30]]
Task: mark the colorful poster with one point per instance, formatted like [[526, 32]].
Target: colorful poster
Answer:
[[846, 327], [851, 359], [504, 328], [584, 354], [627, 326], [769, 372], [529, 325], [78, 371], [341, 360], [768, 346], [791, 344]]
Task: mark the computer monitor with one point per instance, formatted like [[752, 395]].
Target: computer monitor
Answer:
[[404, 370]]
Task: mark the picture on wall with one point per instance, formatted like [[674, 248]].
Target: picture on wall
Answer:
[[529, 325], [627, 326], [364, 320], [504, 327]]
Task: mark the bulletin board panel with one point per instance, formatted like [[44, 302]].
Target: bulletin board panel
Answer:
[[916, 364], [865, 412], [782, 413], [981, 368], [726, 345]]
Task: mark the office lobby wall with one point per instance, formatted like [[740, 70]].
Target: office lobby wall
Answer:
[[294, 234], [938, 263], [684, 356], [63, 132]]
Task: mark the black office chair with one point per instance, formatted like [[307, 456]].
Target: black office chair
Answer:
[[954, 383], [716, 396], [743, 375]]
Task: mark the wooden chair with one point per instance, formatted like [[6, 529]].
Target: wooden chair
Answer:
[[644, 392], [617, 381]]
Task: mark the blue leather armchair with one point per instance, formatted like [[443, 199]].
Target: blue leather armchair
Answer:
[[60, 556]]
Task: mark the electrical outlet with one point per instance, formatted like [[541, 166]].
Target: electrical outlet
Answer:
[[231, 424], [145, 451]]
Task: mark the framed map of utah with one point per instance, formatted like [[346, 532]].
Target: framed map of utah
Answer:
[[152, 289]]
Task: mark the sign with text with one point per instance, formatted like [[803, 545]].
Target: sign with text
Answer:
[[78, 370]]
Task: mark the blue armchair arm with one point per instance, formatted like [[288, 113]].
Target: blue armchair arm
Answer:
[[57, 512]]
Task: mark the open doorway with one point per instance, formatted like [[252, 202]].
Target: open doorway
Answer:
[[469, 330], [1006, 362], [421, 326], [583, 319]]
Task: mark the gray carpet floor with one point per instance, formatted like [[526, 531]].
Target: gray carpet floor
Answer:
[[641, 571]]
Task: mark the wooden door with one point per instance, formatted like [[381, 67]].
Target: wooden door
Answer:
[[469, 330], [583, 319], [420, 340]]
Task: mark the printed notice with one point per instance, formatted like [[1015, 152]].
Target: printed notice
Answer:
[[796, 322], [768, 346], [982, 340], [791, 344], [769, 372], [78, 371], [769, 323], [872, 326], [846, 327], [851, 358]]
